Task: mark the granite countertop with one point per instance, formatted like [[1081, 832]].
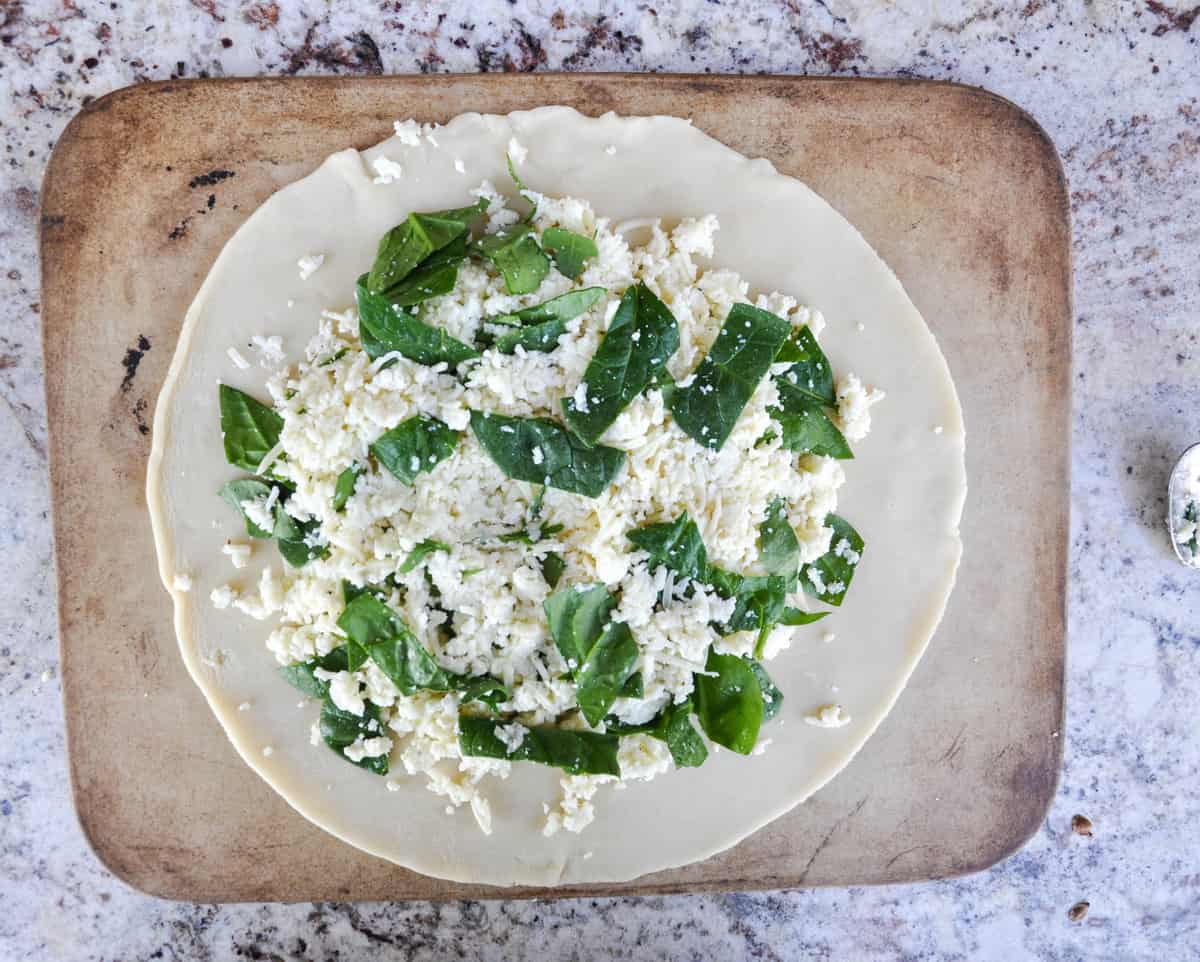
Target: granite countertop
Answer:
[[1116, 85]]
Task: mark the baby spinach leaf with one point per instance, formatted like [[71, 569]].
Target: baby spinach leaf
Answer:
[[384, 637], [516, 255], [553, 567], [419, 553], [642, 336], [828, 578], [633, 687], [569, 250], [672, 725], [601, 653], [249, 428], [341, 729], [674, 544], [608, 666], [539, 327], [707, 409], [729, 702], [297, 541], [795, 617], [575, 752], [772, 697], [807, 429], [778, 547], [541, 451], [415, 446], [422, 284], [385, 329], [246, 489], [759, 602], [343, 489], [407, 244], [683, 741], [577, 615], [810, 376], [303, 677], [542, 338]]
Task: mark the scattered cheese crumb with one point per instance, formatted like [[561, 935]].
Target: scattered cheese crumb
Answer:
[[459, 166], [268, 751], [244, 706], [610, 150], [270, 350], [239, 552], [828, 716], [309, 264], [386, 171], [938, 429], [828, 637], [238, 360], [182, 582], [517, 151], [223, 596]]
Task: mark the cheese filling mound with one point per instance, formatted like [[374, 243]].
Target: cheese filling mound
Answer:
[[550, 492]]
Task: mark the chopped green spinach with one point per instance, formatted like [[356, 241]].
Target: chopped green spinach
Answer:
[[729, 702], [575, 752], [828, 578], [387, 329], [569, 250], [419, 553], [515, 253], [415, 446], [343, 488], [541, 451], [405, 246], [708, 408], [642, 336], [249, 429]]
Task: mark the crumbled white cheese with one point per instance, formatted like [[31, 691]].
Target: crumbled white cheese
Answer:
[[239, 552], [182, 581], [610, 150], [244, 706], [409, 132], [309, 264], [854, 407], [517, 151], [386, 171], [268, 751], [223, 596], [512, 735], [239, 361], [828, 716], [362, 748], [270, 350]]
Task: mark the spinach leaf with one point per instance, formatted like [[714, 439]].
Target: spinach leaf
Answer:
[[541, 451], [828, 578], [422, 284], [415, 446], [335, 356], [672, 725], [576, 752], [577, 616], [674, 544], [794, 617], [772, 697], [390, 643], [298, 539], [602, 654], [759, 602], [729, 702], [246, 489], [684, 742], [569, 250], [419, 553], [407, 244], [553, 567], [807, 429], [341, 729], [516, 254], [642, 336], [303, 677], [634, 687], [249, 428], [525, 536], [539, 327], [778, 547], [707, 409], [386, 329], [810, 376], [343, 489], [602, 677]]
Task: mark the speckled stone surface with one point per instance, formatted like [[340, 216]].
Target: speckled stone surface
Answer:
[[1117, 85]]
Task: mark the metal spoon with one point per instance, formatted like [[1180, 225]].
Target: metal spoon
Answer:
[[1183, 506]]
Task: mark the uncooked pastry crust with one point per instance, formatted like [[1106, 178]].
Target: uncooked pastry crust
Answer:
[[904, 491]]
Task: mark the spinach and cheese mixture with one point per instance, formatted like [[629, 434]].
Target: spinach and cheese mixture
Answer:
[[549, 492]]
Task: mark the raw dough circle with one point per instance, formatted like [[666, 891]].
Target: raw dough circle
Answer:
[[904, 492]]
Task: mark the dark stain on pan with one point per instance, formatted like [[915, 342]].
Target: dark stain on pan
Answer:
[[133, 357], [180, 229], [139, 416], [211, 179]]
